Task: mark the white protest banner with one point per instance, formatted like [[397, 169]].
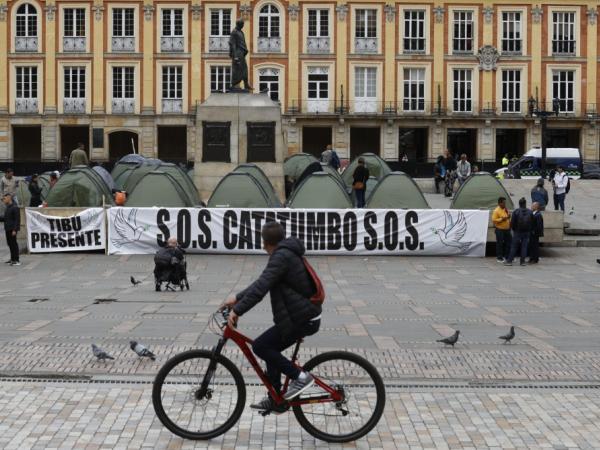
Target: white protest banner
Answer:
[[82, 232], [323, 231]]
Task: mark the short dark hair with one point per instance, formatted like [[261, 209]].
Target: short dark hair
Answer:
[[501, 199], [272, 233], [522, 202], [10, 170]]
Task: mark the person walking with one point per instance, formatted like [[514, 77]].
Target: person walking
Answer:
[[36, 191], [78, 156], [560, 183], [536, 233], [501, 220], [439, 171], [539, 194], [12, 221], [330, 157], [463, 170], [521, 225], [359, 183]]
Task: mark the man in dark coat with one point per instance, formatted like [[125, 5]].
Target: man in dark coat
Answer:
[[295, 316], [521, 224], [12, 224], [237, 52], [536, 233]]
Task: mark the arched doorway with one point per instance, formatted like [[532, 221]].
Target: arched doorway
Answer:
[[121, 143]]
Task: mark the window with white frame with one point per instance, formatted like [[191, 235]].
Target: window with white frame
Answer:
[[74, 22], [365, 89], [366, 23], [268, 21], [414, 89], [74, 82], [318, 85], [511, 91], [220, 78], [512, 38], [172, 82], [123, 22], [318, 23], [268, 81], [123, 82], [462, 90], [27, 82], [220, 22], [462, 39], [172, 22], [563, 89], [26, 21], [414, 31], [563, 32]]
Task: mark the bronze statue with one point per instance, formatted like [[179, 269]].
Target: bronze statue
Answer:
[[238, 52]]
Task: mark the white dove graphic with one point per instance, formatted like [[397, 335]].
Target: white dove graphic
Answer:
[[453, 231], [126, 228]]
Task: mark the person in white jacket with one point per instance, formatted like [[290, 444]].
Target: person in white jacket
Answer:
[[559, 183]]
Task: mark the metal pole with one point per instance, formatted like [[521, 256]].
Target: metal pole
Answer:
[[544, 120]]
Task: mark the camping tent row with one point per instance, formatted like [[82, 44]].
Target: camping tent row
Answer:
[[246, 187]]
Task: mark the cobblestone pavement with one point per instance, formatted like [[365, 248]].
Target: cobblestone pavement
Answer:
[[540, 392]]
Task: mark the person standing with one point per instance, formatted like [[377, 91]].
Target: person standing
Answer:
[[501, 220], [330, 157], [439, 171], [463, 170], [450, 176], [12, 221], [505, 160], [78, 156], [560, 183], [539, 194], [521, 225], [536, 233], [8, 184], [36, 191], [359, 182]]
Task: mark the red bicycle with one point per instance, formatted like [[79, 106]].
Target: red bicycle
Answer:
[[200, 394]]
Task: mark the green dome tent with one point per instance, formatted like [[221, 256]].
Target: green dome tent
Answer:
[[239, 190], [44, 182], [294, 165], [396, 190], [23, 194], [480, 191], [260, 176], [182, 178], [80, 187], [320, 190], [158, 188], [132, 174], [330, 170], [378, 168]]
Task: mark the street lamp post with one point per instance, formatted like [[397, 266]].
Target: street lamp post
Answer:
[[543, 114]]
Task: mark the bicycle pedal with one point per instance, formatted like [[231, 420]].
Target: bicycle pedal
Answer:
[[264, 413]]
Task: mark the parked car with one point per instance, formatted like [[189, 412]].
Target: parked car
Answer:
[[591, 172]]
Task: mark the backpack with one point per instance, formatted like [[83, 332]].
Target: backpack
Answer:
[[335, 160], [568, 187], [319, 296], [524, 221]]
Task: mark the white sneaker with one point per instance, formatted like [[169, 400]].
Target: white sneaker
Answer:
[[15, 263]]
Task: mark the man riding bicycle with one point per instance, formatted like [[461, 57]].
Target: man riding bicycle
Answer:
[[294, 315]]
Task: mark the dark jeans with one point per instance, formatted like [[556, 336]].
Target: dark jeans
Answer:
[[13, 246], [437, 181], [503, 240], [271, 343], [559, 202], [520, 240], [534, 248], [360, 197]]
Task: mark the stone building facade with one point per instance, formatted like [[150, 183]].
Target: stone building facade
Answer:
[[389, 77]]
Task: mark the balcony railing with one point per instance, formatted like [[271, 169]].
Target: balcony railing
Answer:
[[318, 44], [123, 44], [74, 44], [171, 44], [123, 105], [365, 45], [26, 105], [561, 47], [218, 44], [74, 105], [172, 105], [26, 44], [269, 44]]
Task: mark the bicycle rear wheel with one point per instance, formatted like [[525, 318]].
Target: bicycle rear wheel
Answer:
[[363, 404], [189, 412]]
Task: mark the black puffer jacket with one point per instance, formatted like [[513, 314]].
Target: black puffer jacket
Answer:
[[290, 285]]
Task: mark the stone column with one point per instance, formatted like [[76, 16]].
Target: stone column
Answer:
[[4, 124], [294, 46], [50, 53], [50, 150], [486, 148], [537, 25], [98, 63], [591, 132], [196, 27]]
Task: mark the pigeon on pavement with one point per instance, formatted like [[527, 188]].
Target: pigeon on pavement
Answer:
[[141, 351], [100, 354], [595, 216], [451, 340], [134, 281], [510, 336]]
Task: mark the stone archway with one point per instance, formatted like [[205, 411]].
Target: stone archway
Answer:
[[121, 143]]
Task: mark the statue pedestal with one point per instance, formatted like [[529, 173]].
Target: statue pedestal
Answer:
[[235, 128]]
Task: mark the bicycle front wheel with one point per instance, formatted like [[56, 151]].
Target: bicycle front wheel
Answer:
[[363, 398], [189, 411]]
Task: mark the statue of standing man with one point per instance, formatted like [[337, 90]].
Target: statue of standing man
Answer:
[[238, 52]]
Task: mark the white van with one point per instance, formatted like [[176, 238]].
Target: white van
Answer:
[[529, 165]]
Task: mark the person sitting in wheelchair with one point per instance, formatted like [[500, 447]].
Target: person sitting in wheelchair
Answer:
[[169, 265]]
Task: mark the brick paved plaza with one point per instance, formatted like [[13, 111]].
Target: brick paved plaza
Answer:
[[540, 392]]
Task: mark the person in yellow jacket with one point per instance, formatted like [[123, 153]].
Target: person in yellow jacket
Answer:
[[501, 220], [505, 160]]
